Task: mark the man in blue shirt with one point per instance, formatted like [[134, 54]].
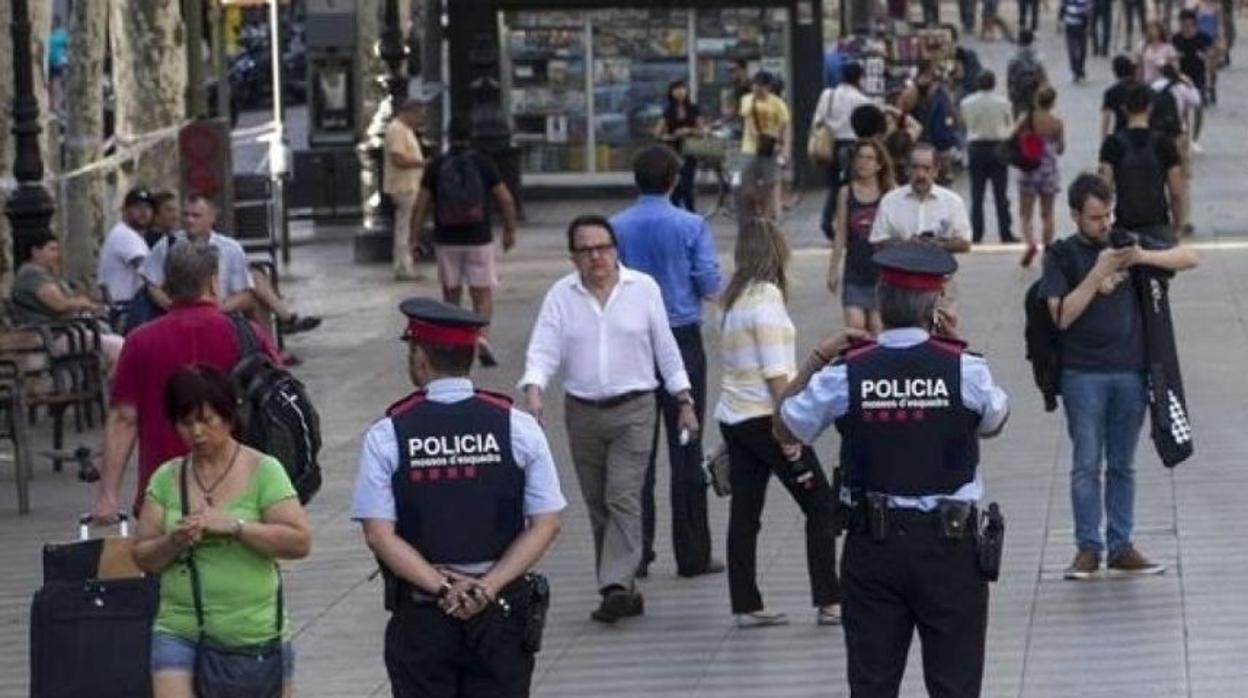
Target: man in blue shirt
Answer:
[[676, 248]]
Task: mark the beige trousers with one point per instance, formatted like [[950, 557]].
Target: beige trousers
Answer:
[[404, 261], [611, 450]]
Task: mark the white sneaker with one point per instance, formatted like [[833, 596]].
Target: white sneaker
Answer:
[[761, 619], [828, 615], [1197, 149]]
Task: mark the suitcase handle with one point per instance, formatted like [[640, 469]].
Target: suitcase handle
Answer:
[[85, 521]]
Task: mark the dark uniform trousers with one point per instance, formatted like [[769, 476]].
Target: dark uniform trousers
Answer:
[[691, 532], [431, 655], [912, 579]]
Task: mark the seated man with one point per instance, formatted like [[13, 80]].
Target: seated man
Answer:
[[40, 295], [240, 287]]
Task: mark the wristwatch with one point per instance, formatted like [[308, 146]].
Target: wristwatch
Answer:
[[685, 399], [237, 531]]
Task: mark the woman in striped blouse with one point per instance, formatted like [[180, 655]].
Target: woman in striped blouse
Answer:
[[758, 362]]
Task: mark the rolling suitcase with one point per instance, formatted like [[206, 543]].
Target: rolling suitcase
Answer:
[[91, 622]]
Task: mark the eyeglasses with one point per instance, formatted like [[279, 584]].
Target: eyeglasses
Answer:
[[594, 249]]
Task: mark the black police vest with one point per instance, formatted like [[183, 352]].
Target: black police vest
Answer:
[[907, 431], [458, 493]]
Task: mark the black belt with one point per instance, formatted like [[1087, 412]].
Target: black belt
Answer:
[[952, 520], [607, 403]]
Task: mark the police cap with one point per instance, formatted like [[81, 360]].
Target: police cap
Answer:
[[915, 266], [431, 321]]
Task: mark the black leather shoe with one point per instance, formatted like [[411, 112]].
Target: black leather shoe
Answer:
[[619, 603], [300, 323]]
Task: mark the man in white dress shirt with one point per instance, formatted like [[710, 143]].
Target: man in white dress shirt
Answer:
[[605, 325]]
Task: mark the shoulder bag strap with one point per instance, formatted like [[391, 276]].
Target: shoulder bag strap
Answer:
[[196, 592], [196, 588]]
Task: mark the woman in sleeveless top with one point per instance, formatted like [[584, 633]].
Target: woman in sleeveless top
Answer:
[[855, 214], [681, 119], [1044, 182]]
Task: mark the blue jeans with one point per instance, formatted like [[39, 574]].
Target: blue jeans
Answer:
[[1104, 414]]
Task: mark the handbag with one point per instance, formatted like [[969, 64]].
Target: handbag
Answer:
[[253, 671], [766, 145], [1027, 147], [820, 146], [717, 471]]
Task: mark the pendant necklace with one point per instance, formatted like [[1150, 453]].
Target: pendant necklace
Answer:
[[221, 478]]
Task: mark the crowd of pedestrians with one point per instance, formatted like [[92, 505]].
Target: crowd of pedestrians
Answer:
[[623, 332]]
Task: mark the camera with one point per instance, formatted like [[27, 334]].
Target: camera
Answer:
[[1121, 237]]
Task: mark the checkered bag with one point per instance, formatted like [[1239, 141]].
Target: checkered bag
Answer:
[[1171, 429]]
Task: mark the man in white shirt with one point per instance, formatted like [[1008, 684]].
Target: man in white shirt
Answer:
[[989, 123], [237, 287], [923, 209], [605, 325], [835, 107], [124, 250]]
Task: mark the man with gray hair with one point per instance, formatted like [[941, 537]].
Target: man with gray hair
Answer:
[[194, 331]]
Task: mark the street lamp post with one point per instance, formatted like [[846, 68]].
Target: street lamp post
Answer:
[[29, 207], [375, 241]]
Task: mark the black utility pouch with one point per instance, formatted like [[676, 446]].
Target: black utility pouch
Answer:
[[842, 504], [877, 516], [539, 604], [955, 519], [990, 542]]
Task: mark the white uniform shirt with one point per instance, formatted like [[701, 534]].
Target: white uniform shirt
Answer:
[[826, 398], [902, 215], [379, 458], [121, 256], [607, 350]]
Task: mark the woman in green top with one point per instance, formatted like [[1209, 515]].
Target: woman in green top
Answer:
[[244, 515]]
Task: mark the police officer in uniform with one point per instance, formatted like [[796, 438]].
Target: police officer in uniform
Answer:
[[459, 498], [911, 408]]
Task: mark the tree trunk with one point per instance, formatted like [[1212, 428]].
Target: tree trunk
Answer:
[[368, 65], [49, 123], [6, 141], [85, 212], [149, 77]]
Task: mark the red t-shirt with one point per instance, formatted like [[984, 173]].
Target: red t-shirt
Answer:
[[189, 334]]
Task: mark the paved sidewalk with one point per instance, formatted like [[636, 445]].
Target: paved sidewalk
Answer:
[[1181, 634]]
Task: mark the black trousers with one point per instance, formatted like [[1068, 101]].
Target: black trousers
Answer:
[[966, 13], [840, 172], [754, 456], [913, 579], [1102, 26], [985, 166], [683, 194], [1134, 9], [1028, 14], [1077, 49], [691, 532], [431, 655]]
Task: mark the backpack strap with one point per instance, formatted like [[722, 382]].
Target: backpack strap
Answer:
[[248, 343]]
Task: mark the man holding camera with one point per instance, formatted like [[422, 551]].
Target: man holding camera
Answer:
[[1087, 282], [910, 409]]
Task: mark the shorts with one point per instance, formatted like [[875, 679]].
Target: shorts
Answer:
[[759, 171], [173, 653], [472, 265], [858, 296]]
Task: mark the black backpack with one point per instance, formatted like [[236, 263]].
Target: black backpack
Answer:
[[1165, 117], [1140, 183], [1025, 74], [1041, 335], [460, 191], [275, 415]]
